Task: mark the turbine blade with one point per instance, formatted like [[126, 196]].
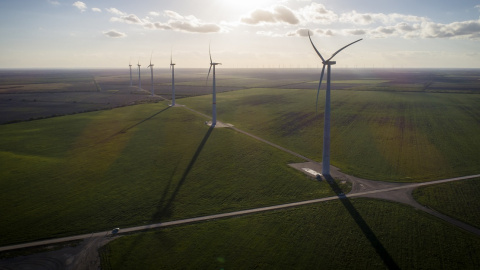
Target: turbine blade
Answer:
[[210, 55], [321, 57], [318, 91], [208, 73], [343, 48]]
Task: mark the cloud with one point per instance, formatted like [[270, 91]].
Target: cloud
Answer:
[[465, 29], [96, 10], [370, 18], [188, 24], [116, 11], [132, 19], [355, 32], [303, 32], [279, 14], [175, 22], [162, 26], [114, 34], [194, 27], [317, 13], [327, 32], [80, 5]]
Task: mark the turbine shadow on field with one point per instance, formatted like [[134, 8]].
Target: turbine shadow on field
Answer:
[[367, 231], [164, 207], [144, 120]]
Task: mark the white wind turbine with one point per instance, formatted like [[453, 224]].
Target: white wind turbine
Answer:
[[326, 126], [151, 72], [214, 96], [172, 67], [139, 80], [130, 65]]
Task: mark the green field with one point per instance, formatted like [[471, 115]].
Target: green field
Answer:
[[150, 163], [131, 166], [391, 136], [457, 199], [361, 234]]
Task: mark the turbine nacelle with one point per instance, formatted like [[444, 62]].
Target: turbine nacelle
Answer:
[[328, 62]]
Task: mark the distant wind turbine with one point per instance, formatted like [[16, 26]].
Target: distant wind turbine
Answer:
[[130, 65], [214, 96], [326, 127], [139, 80], [151, 72], [172, 67]]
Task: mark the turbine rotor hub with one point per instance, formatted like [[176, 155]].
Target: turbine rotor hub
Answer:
[[329, 62]]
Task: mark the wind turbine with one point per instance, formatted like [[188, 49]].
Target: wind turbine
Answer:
[[214, 96], [130, 65], [139, 81], [326, 125], [172, 67], [151, 71]]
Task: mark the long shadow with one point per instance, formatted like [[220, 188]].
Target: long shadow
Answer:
[[134, 125], [369, 234], [164, 210], [144, 120]]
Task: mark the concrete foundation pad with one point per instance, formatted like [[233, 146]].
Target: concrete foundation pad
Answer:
[[219, 124]]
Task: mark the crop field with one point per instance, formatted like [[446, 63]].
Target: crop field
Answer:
[[361, 234], [458, 200], [131, 166], [104, 89], [36, 94], [393, 136]]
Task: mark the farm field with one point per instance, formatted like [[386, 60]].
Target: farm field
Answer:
[[104, 165], [390, 136], [35, 94], [458, 200], [361, 234], [131, 166]]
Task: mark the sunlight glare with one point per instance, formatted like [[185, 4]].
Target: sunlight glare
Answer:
[[248, 4]]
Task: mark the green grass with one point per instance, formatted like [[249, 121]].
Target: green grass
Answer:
[[320, 236], [457, 199], [131, 166], [392, 136]]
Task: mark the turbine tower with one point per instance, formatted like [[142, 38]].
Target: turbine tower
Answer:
[[130, 65], [172, 67], [326, 127], [151, 72], [214, 96], [139, 81]]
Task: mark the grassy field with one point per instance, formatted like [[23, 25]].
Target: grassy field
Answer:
[[361, 234], [394, 136], [456, 199], [131, 166], [149, 163]]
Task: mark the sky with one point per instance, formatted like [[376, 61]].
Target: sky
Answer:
[[240, 33]]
